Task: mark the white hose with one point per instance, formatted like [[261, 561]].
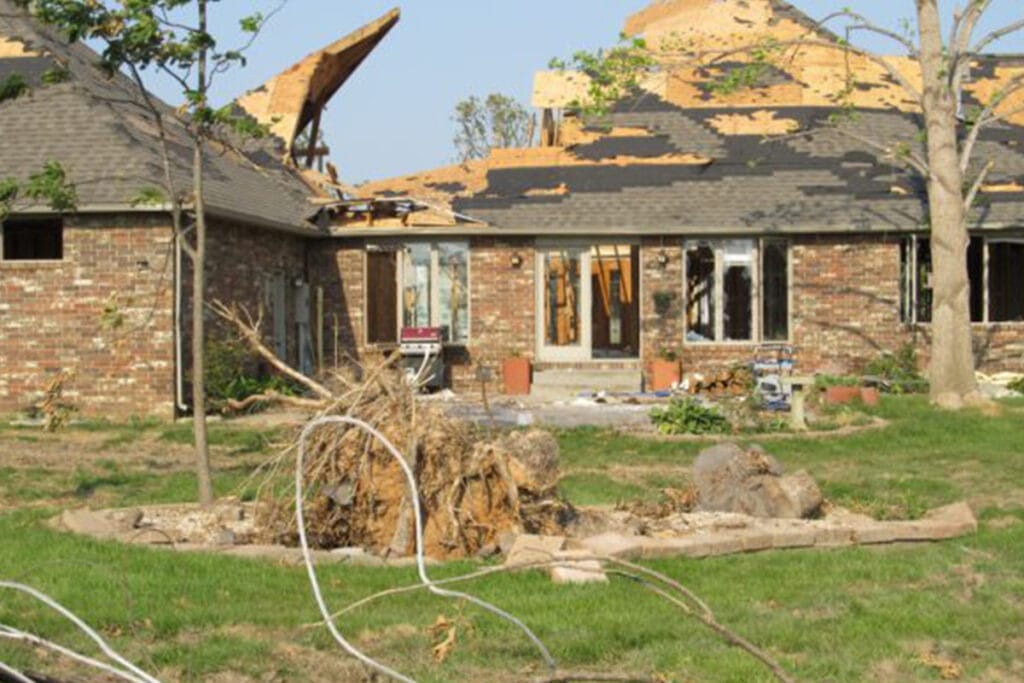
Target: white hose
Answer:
[[15, 674], [134, 673], [420, 560]]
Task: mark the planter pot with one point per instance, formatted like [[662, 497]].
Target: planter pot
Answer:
[[841, 396], [664, 374], [516, 374], [870, 396]]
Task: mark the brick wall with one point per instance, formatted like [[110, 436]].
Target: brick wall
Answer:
[[103, 312], [844, 312]]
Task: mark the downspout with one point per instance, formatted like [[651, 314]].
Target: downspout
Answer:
[[179, 366]]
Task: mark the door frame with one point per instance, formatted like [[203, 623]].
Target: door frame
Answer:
[[584, 351]]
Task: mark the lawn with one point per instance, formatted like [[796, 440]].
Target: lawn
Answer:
[[880, 614]]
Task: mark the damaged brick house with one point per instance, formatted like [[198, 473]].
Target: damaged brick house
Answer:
[[103, 292], [695, 221]]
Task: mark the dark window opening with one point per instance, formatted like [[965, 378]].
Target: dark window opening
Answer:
[[925, 294], [775, 286], [976, 275], [382, 297], [739, 304], [1006, 281], [700, 294], [34, 240]]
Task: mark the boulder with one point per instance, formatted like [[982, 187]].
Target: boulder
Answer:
[[729, 478], [528, 549]]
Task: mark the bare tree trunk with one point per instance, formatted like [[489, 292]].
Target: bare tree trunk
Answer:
[[952, 371], [199, 299]]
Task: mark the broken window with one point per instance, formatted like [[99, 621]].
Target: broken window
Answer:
[[1006, 281], [736, 292], [995, 271], [700, 293], [420, 284], [33, 240], [775, 291]]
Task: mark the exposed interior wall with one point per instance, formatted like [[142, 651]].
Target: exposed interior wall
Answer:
[[104, 313]]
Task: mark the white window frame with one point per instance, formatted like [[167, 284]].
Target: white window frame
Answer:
[[399, 247], [913, 287], [717, 244]]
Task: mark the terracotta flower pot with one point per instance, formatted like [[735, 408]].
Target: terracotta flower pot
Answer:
[[870, 396], [841, 396], [664, 374], [516, 373]]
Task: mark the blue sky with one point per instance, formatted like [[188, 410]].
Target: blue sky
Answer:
[[394, 116]]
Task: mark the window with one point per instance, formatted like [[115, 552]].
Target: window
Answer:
[[995, 268], [418, 284], [33, 240], [737, 291]]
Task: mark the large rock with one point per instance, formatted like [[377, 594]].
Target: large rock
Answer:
[[751, 482]]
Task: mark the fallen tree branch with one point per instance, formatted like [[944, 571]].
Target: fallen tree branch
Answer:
[[249, 330], [274, 398], [582, 676]]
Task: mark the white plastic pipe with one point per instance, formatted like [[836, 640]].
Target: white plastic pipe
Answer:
[[420, 560]]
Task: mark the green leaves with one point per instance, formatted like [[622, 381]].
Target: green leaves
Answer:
[[13, 87], [52, 185], [149, 196], [614, 74], [689, 416]]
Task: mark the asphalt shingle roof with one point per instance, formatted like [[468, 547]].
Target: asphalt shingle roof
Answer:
[[101, 132], [817, 179]]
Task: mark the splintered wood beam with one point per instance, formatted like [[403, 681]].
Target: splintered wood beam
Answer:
[[314, 138]]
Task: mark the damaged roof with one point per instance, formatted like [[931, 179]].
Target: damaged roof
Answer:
[[288, 102], [99, 129], [683, 159]]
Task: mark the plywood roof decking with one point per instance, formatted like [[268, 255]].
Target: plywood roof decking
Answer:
[[683, 159], [289, 101]]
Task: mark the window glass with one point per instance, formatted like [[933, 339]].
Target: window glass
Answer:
[[700, 293], [33, 240], [775, 290], [416, 282], [1006, 281], [738, 290], [453, 276]]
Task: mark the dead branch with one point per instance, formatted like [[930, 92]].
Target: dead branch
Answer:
[[274, 398], [972, 194], [249, 330]]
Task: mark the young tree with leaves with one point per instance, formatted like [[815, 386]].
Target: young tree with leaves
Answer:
[[949, 142], [158, 34], [498, 122]]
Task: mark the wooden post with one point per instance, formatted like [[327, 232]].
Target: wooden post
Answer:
[[314, 139]]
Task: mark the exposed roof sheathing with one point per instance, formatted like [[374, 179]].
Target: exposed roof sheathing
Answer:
[[289, 101], [100, 130], [686, 158]]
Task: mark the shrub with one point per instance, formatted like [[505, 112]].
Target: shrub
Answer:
[[689, 416], [233, 373], [1016, 385], [899, 370]]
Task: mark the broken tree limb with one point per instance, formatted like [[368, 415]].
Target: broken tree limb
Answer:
[[249, 330], [274, 398]]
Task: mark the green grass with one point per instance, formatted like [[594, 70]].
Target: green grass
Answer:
[[845, 615]]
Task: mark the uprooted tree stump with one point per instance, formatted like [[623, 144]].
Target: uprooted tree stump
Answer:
[[472, 488]]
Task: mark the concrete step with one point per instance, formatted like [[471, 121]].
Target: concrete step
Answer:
[[551, 385]]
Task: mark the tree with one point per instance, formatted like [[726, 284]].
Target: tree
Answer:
[[154, 34], [949, 141], [499, 122]]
